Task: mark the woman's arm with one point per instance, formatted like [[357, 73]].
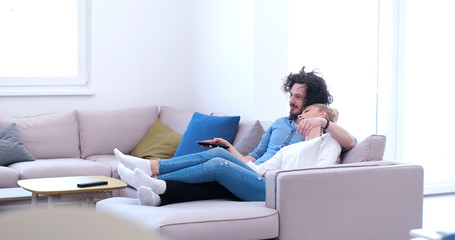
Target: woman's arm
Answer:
[[340, 134], [328, 152], [273, 163]]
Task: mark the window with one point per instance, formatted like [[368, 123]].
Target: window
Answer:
[[428, 78], [44, 47], [340, 40], [389, 67]]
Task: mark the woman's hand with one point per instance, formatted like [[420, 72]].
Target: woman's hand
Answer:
[[218, 141], [221, 141]]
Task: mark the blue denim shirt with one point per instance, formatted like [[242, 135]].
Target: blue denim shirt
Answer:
[[283, 132]]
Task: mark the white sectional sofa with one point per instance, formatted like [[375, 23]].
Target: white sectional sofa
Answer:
[[81, 142], [363, 198], [74, 143], [352, 201]]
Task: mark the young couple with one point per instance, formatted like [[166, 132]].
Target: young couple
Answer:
[[311, 126]]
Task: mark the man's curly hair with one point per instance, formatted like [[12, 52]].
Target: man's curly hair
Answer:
[[316, 92]]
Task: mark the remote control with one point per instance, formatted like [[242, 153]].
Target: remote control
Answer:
[[212, 144], [91, 184]]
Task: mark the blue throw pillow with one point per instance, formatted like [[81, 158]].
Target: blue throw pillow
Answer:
[[203, 127], [11, 147]]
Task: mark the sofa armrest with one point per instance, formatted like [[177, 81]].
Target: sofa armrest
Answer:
[[374, 200]]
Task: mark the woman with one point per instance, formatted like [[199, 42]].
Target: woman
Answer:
[[229, 168]]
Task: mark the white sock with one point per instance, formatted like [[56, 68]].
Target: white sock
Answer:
[[125, 174], [147, 197], [132, 162], [142, 179]]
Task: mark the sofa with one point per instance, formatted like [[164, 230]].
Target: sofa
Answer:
[[350, 201], [81, 142], [365, 197]]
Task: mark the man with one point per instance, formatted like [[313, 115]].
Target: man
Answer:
[[304, 88]]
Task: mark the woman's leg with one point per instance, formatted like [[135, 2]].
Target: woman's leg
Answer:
[[177, 192], [147, 197], [241, 180], [133, 162], [173, 164], [125, 174], [142, 179], [185, 192], [178, 163]]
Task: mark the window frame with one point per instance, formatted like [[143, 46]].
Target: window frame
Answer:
[[391, 84], [77, 85]]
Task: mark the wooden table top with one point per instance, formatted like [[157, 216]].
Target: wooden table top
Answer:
[[61, 185]]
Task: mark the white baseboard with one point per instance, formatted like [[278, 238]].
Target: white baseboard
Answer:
[[439, 188]]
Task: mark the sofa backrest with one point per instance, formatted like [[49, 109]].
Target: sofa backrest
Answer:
[[245, 128], [370, 149], [83, 133], [54, 135], [175, 119], [101, 131]]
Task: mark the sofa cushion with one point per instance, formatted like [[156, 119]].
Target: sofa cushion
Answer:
[[210, 219], [175, 119], [204, 127], [54, 135], [11, 147], [244, 127], [251, 140], [60, 167], [8, 177], [101, 131], [107, 160], [370, 149], [160, 142]]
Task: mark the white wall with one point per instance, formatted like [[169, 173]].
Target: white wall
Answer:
[[220, 55], [270, 59], [226, 56]]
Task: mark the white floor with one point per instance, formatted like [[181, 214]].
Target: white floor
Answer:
[[439, 213]]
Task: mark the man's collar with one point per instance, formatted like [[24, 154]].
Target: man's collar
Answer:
[[291, 120]]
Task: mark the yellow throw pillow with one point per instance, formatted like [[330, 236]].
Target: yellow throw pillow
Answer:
[[159, 142]]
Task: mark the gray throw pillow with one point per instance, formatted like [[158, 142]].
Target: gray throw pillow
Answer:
[[11, 147], [370, 149], [251, 140]]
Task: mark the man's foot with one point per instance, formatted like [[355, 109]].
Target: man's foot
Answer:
[[142, 179], [147, 197], [132, 162], [125, 174]]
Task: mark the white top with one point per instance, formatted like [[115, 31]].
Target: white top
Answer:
[[320, 151]]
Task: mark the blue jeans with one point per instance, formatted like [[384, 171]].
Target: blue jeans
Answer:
[[215, 165]]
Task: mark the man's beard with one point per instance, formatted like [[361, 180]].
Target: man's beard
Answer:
[[295, 114]]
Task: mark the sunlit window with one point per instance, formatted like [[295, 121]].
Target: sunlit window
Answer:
[[43, 43], [428, 88], [394, 78], [342, 45]]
